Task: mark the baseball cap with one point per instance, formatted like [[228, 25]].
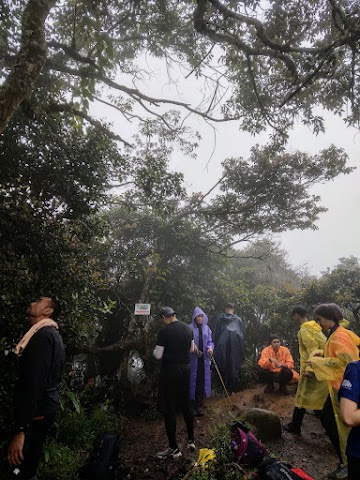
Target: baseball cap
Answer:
[[166, 312]]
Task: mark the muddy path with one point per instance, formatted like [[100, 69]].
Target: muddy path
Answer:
[[311, 451]]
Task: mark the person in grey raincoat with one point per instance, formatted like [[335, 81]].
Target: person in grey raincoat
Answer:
[[228, 335], [200, 375]]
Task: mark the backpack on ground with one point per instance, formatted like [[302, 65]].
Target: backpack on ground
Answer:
[[103, 462], [247, 448], [272, 469]]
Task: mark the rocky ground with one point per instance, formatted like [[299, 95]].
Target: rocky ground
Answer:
[[311, 451]]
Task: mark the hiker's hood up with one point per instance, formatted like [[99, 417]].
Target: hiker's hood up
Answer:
[[199, 311]]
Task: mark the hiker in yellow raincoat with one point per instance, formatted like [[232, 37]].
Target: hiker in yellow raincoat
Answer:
[[329, 364], [310, 393]]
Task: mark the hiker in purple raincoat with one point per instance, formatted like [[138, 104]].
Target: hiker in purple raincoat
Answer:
[[200, 379]]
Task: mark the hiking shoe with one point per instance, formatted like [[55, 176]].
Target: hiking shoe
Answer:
[[269, 389], [191, 446], [341, 473], [290, 428], [169, 453]]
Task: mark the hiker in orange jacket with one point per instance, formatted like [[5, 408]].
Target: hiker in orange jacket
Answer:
[[277, 366], [329, 364]]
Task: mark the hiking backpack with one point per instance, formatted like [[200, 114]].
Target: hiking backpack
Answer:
[[247, 448], [272, 469], [103, 462]]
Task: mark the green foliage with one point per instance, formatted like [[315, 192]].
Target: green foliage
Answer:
[[60, 462], [340, 285], [50, 192], [72, 438], [223, 466], [78, 430], [280, 60]]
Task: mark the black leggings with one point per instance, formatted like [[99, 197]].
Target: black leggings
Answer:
[[174, 394], [328, 421]]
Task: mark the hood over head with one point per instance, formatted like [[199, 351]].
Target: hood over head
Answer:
[[199, 311]]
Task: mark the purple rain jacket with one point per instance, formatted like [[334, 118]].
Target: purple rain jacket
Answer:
[[207, 342]]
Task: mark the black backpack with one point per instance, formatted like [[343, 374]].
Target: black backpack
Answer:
[[103, 462], [272, 469]]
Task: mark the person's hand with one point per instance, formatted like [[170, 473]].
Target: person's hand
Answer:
[[209, 350], [272, 360], [195, 348], [317, 353], [15, 451], [276, 363]]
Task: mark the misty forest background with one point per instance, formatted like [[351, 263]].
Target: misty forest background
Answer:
[[95, 214]]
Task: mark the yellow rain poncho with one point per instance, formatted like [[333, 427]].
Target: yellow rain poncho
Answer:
[[340, 349], [311, 393]]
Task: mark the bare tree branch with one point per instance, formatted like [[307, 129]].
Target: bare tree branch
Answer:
[[68, 108], [132, 92]]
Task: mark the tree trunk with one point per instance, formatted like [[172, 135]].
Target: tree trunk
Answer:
[[29, 60]]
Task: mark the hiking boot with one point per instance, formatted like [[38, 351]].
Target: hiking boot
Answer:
[[341, 473], [290, 428], [169, 453], [191, 445], [284, 391], [269, 389]]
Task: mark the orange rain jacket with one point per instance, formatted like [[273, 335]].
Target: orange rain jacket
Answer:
[[283, 355], [340, 349]]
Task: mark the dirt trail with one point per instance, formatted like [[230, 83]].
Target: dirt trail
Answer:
[[311, 451]]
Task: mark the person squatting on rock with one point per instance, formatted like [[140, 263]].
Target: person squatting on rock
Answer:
[[200, 375], [329, 364], [41, 360], [276, 366], [228, 337], [311, 393], [174, 344]]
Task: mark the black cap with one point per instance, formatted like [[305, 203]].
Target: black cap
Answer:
[[229, 305], [166, 312]]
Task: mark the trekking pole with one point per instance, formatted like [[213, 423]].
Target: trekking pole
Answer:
[[218, 372]]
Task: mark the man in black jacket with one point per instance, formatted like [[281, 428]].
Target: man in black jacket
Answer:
[[42, 359]]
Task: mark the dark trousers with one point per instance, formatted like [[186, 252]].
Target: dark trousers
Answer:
[[174, 394], [33, 448], [353, 468], [328, 421], [282, 378], [200, 383], [298, 417]]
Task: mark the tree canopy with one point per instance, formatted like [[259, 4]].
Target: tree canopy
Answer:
[[263, 64]]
